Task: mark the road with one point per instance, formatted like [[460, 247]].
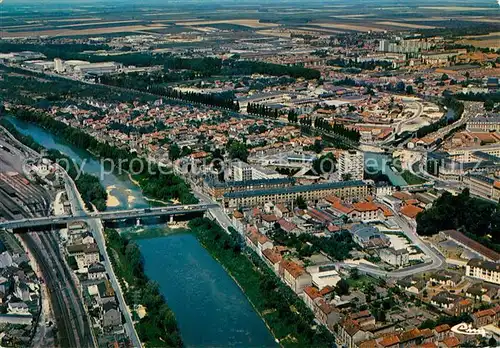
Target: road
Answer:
[[79, 210], [215, 210], [95, 225], [80, 214], [66, 300], [436, 259]]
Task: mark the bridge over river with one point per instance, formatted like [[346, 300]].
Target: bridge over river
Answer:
[[49, 221]]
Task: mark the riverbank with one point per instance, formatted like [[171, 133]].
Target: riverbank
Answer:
[[92, 191], [153, 182], [158, 327], [286, 315]]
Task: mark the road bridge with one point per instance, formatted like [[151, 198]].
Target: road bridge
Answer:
[[107, 216]]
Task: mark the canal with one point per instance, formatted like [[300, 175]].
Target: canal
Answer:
[[210, 308]]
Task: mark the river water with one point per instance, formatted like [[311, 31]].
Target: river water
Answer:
[[210, 308]]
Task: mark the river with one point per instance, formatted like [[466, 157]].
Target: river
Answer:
[[380, 162], [210, 308]]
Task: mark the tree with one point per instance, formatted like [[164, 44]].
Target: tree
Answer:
[[444, 77], [301, 202], [409, 90], [346, 176], [489, 105], [238, 150], [400, 86], [325, 164], [342, 287], [174, 152], [354, 273]]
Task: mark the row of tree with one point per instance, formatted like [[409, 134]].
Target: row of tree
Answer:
[[159, 326], [89, 186], [337, 128], [155, 183], [365, 65], [290, 320], [450, 103], [262, 110], [213, 99]]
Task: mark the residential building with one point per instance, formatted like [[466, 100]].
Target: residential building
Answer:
[[272, 258], [445, 278], [96, 271], [483, 292], [359, 211], [241, 171], [323, 311], [484, 270], [257, 241], [311, 193], [484, 123], [295, 276], [84, 254], [486, 317], [217, 189], [368, 237], [414, 286], [397, 258], [111, 316], [350, 333], [482, 186], [351, 163]]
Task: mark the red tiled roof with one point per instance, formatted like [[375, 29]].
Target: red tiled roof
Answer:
[[326, 290], [451, 341], [366, 206], [409, 335], [291, 267], [389, 341], [426, 333], [428, 345], [269, 218], [411, 211], [286, 225], [273, 256], [369, 344], [312, 292], [401, 195], [484, 313], [442, 328]]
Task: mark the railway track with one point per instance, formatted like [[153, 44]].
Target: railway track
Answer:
[[72, 318]]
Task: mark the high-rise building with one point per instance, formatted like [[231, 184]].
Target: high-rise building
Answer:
[[241, 171], [351, 164], [383, 46], [58, 65]]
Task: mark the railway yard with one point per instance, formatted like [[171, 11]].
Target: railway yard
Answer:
[[23, 198]]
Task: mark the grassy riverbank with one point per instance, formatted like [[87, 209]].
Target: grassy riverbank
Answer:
[[159, 327], [89, 186], [288, 318], [154, 182]]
